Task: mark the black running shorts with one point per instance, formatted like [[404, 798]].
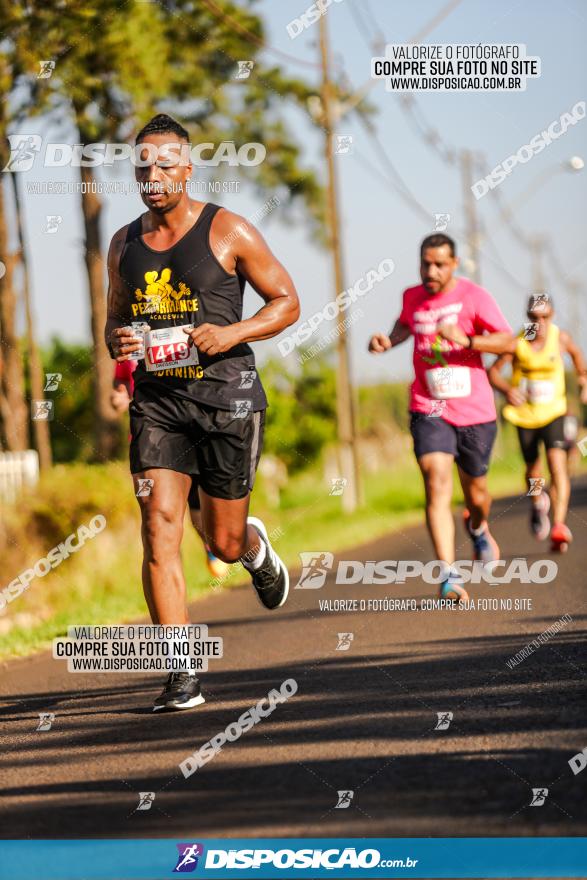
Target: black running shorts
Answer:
[[470, 445], [219, 450], [552, 435]]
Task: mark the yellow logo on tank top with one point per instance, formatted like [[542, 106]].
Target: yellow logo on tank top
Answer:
[[160, 298]]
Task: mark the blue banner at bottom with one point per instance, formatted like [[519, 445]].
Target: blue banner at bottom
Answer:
[[413, 857]]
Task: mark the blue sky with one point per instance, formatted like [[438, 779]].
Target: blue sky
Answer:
[[376, 222]]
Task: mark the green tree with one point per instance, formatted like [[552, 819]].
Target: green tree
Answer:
[[72, 428], [301, 418], [115, 69]]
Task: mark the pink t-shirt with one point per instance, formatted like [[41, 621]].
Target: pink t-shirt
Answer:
[[123, 372], [451, 381]]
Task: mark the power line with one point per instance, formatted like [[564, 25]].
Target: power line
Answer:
[[434, 22], [505, 213], [400, 186], [417, 207], [357, 15], [406, 196], [430, 135], [448, 154]]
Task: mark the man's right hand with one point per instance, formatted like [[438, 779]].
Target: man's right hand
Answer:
[[124, 343], [515, 397], [119, 399], [379, 343]]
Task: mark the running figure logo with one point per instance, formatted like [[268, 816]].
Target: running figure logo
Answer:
[[241, 408], [144, 486], [530, 330], [53, 223], [437, 408], [444, 719], [441, 222], [344, 144], [47, 68], [315, 567], [46, 719], [536, 485], [539, 796], [23, 149], [244, 69], [52, 381], [42, 410], [247, 378], [146, 799], [539, 301], [187, 861], [344, 800], [338, 485], [344, 641]]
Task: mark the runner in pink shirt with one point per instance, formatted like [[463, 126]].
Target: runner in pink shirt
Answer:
[[453, 419]]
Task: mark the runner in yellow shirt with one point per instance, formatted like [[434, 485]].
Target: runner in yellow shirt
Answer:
[[537, 405]]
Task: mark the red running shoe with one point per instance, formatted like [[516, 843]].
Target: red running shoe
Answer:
[[561, 536]]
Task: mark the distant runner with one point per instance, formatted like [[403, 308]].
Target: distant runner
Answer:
[[122, 392], [452, 409], [537, 406]]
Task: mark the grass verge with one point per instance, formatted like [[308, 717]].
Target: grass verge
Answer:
[[101, 583]]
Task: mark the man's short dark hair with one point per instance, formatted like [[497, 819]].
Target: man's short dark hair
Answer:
[[437, 239], [162, 124]]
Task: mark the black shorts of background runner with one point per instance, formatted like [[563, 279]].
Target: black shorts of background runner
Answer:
[[194, 496], [552, 435], [221, 450], [470, 445]]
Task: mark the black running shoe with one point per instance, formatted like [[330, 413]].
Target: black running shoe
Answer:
[[181, 691], [271, 580]]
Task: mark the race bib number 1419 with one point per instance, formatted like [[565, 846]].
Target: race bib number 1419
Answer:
[[169, 346]]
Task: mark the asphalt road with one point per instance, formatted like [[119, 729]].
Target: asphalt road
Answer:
[[362, 720]]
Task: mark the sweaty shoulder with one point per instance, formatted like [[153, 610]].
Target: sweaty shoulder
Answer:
[[226, 222], [233, 239]]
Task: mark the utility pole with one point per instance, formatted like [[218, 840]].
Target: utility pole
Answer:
[[40, 426], [536, 254], [471, 222], [345, 403], [574, 309]]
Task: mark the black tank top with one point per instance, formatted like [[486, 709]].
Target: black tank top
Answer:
[[186, 284]]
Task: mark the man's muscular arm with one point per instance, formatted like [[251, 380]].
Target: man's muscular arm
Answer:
[[239, 247], [570, 347], [120, 343]]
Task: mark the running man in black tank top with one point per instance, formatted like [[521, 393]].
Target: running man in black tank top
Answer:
[[198, 407]]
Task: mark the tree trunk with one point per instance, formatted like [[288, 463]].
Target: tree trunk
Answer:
[[106, 428], [40, 426], [14, 409]]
